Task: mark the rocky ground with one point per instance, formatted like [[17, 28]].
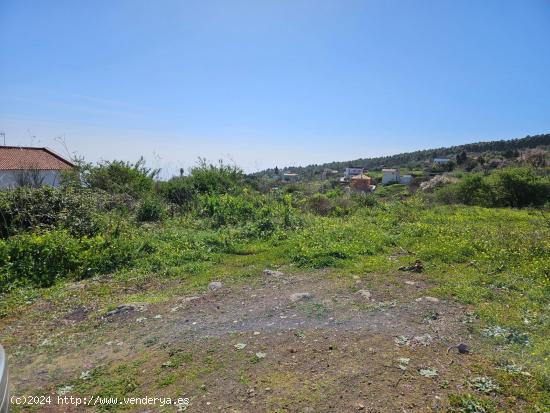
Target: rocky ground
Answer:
[[303, 342]]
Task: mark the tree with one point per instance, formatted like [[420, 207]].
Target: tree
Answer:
[[461, 157]]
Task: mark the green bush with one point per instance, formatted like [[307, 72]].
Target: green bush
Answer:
[[319, 204], [119, 177], [520, 187], [473, 189], [150, 209], [179, 191], [508, 187], [42, 259], [26, 209], [216, 179]]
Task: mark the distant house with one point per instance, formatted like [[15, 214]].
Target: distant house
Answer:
[[441, 161], [406, 179], [361, 183], [390, 176], [352, 171], [290, 177], [30, 166]]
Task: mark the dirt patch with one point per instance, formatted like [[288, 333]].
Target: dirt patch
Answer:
[[252, 347]]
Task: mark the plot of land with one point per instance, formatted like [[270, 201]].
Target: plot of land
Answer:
[[303, 342]]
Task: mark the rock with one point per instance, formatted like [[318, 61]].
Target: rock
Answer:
[[261, 355], [300, 296], [365, 294], [431, 299], [62, 391], [424, 339], [402, 340], [123, 308], [430, 373], [463, 348], [403, 363], [126, 308], [416, 267], [240, 346], [408, 282], [273, 273], [189, 299], [214, 285]]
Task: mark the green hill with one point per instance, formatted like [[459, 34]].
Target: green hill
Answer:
[[505, 148]]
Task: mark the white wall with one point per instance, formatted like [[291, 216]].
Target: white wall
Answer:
[[12, 179], [389, 177], [352, 172]]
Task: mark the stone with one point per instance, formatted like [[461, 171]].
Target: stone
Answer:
[[273, 273], [429, 373], [431, 299], [240, 346], [189, 299], [214, 285], [463, 348], [300, 296], [365, 294]]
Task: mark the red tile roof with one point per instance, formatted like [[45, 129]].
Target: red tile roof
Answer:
[[13, 158]]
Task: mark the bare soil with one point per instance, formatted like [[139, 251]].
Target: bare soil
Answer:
[[334, 351]]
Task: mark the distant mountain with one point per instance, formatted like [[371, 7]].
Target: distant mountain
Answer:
[[419, 158]]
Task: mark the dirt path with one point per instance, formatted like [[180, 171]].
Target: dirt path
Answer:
[[349, 344]]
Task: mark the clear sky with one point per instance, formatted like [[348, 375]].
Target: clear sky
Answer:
[[267, 83]]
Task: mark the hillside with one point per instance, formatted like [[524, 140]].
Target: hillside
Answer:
[[504, 148]]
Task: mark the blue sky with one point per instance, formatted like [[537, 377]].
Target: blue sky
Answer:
[[265, 83]]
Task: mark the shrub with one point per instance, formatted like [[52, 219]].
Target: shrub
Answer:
[[507, 187], [119, 177], [319, 204], [365, 200], [473, 189], [26, 209], [216, 179], [229, 209], [150, 210], [179, 191], [42, 259], [520, 187]]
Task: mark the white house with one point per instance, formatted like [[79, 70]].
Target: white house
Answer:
[[441, 161], [30, 166], [406, 179], [390, 176], [352, 171], [290, 177]]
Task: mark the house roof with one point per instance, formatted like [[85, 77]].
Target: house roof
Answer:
[[17, 158], [360, 177], [389, 170]]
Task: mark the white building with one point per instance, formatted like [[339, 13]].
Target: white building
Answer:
[[406, 179], [30, 166], [352, 171], [290, 177], [390, 176], [441, 161]]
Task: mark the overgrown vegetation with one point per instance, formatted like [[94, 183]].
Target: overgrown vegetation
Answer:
[[484, 240]]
